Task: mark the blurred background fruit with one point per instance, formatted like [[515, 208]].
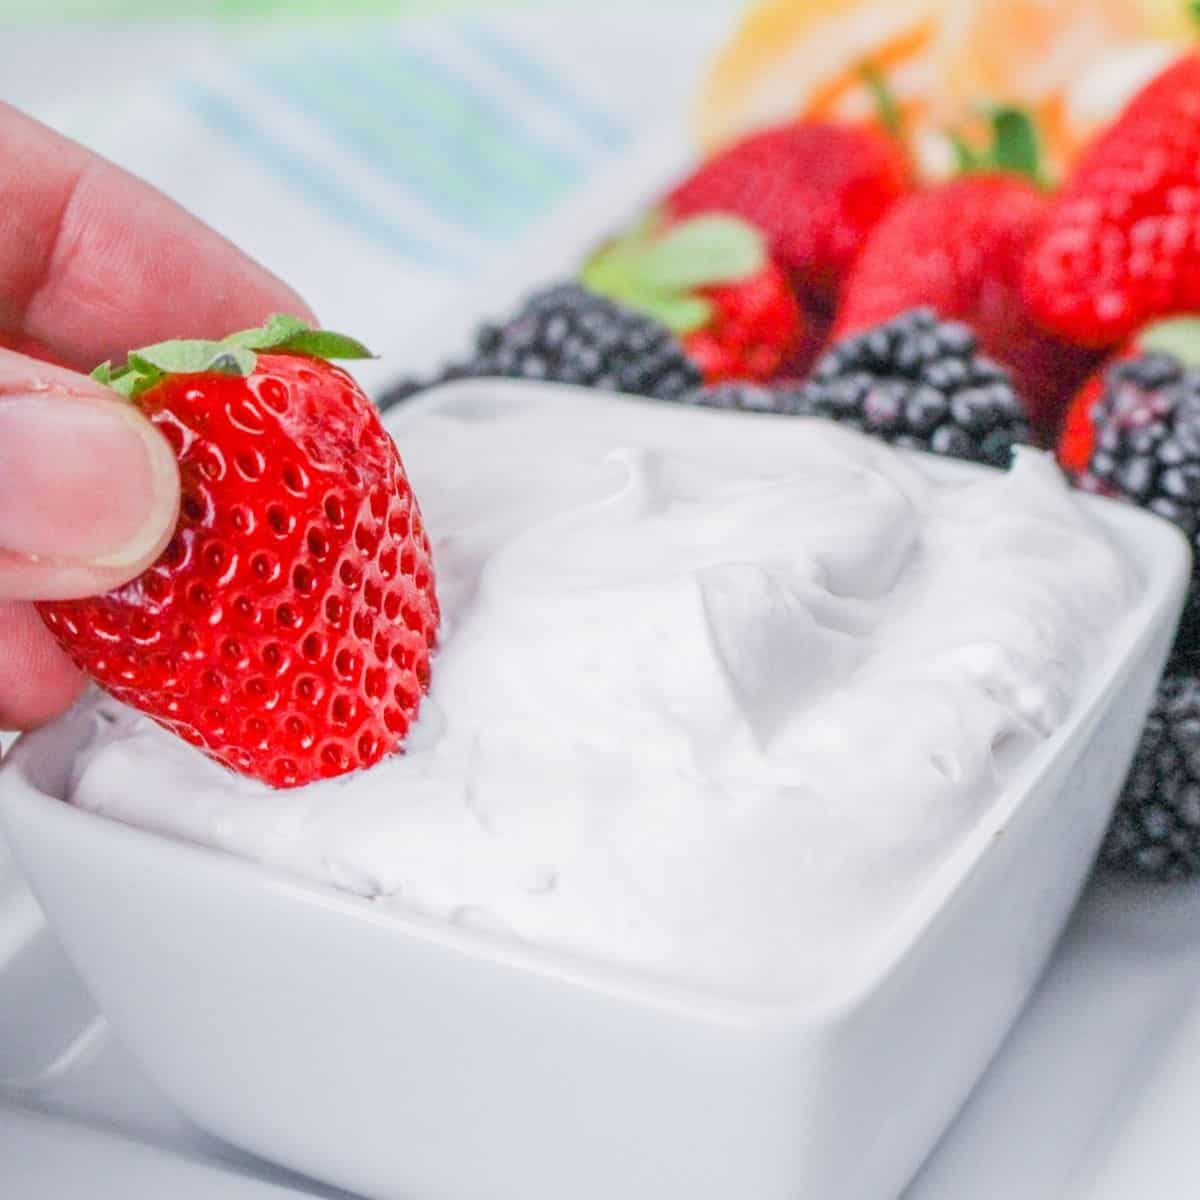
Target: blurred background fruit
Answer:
[[1071, 63]]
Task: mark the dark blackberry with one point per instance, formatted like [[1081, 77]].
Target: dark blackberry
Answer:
[[747, 397], [1147, 440], [402, 389], [1147, 449], [920, 381], [569, 334], [1155, 831]]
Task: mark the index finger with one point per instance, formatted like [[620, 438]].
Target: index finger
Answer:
[[94, 262]]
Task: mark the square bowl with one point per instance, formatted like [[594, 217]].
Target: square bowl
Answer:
[[405, 1059]]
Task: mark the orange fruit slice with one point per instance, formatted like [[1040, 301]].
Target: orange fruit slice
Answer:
[[788, 55], [1071, 63]]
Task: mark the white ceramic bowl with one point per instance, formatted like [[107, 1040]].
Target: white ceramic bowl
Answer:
[[408, 1060]]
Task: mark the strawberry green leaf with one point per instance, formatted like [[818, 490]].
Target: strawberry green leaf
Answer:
[[1178, 336], [132, 384], [679, 313], [965, 158], [276, 330], [288, 334], [322, 343], [193, 357], [1015, 146], [659, 273], [701, 252], [612, 270]]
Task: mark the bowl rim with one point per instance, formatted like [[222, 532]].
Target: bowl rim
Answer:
[[1159, 551]]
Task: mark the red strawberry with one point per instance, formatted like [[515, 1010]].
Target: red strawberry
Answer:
[[1078, 437], [814, 189], [287, 628], [1122, 241], [711, 281], [754, 329], [1158, 354], [960, 248]]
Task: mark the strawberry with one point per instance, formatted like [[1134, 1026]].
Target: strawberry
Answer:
[[814, 189], [711, 282], [960, 248], [1121, 243], [1077, 439], [287, 628]]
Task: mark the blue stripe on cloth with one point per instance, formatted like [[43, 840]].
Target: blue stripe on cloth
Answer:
[[475, 120], [322, 189], [605, 128], [403, 147]]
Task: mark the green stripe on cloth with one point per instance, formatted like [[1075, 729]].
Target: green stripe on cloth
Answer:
[[155, 12]]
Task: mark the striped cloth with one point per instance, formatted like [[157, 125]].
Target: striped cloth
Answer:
[[383, 167]]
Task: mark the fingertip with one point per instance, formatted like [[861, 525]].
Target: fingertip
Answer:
[[89, 493], [37, 679], [161, 496]]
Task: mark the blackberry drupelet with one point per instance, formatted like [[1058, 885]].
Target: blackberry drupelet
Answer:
[[921, 382], [1156, 829], [569, 334], [1147, 449], [748, 397]]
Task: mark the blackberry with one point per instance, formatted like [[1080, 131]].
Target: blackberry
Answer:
[[921, 382], [1147, 439], [1155, 831], [1147, 450], [748, 397], [569, 334], [402, 389]]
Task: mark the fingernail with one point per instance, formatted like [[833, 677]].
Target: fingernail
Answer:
[[83, 480]]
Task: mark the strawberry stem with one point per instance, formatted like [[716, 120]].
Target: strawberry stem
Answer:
[[886, 108], [1015, 146]]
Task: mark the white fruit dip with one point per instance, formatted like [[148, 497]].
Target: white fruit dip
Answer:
[[716, 692]]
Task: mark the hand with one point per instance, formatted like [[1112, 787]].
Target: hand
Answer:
[[93, 263]]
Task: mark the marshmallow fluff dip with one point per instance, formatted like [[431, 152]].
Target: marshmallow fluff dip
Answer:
[[716, 693]]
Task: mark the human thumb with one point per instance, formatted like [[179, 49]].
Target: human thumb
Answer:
[[89, 490]]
